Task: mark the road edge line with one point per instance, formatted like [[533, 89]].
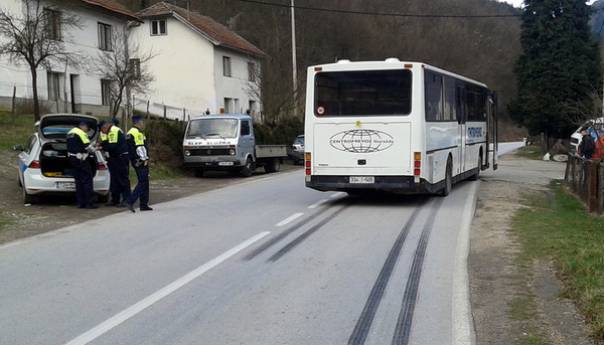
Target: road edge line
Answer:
[[160, 294], [463, 324]]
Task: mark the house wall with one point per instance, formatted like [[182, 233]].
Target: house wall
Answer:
[[238, 86], [83, 41], [183, 68]]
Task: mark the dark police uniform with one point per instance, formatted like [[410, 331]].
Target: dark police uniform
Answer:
[[115, 145], [139, 157], [78, 148]]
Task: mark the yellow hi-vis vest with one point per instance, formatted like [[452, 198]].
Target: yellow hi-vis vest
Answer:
[[113, 134], [138, 136], [80, 133]]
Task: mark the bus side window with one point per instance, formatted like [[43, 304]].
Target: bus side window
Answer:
[[434, 96]]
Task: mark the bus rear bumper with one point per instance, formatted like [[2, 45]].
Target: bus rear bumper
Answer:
[[394, 184]]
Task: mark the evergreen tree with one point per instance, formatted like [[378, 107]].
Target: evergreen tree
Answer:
[[559, 69]]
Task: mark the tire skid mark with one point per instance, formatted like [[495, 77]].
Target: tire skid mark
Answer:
[[363, 325], [285, 233], [402, 331], [291, 245]]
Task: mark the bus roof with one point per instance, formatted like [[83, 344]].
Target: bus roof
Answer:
[[392, 63]]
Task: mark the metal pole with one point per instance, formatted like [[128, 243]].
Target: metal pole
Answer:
[[294, 59]]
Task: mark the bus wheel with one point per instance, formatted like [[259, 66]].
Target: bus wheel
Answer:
[[476, 176], [448, 180]]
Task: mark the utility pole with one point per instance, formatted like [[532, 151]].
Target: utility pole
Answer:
[[294, 59]]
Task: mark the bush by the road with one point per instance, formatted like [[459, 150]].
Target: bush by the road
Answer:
[[278, 133]]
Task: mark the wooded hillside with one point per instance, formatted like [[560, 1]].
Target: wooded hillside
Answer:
[[482, 48]]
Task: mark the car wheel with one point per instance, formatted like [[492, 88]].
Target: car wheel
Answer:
[[199, 172], [28, 198], [446, 190], [248, 169]]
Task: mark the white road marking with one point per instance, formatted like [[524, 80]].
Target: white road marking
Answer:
[[318, 203], [148, 301], [289, 219], [337, 195], [463, 327]]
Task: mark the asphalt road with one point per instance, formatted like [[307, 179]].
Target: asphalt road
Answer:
[[263, 262]]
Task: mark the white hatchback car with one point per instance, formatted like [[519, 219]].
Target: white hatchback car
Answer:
[[44, 167]]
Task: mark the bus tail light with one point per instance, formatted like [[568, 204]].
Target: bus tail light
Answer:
[[308, 163], [417, 164]]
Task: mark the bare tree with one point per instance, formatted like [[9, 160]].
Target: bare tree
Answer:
[[35, 37], [126, 68]]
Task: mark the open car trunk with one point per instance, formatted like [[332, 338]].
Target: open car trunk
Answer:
[[54, 161]]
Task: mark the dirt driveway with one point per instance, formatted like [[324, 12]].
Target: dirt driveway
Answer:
[[18, 221]]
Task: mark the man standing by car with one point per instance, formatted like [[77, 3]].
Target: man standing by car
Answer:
[[116, 147], [139, 156], [78, 150], [587, 146]]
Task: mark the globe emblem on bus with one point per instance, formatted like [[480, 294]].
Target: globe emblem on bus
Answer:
[[361, 141]]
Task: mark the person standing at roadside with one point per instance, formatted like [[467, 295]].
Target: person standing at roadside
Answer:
[[79, 149], [587, 146], [116, 147], [139, 156]]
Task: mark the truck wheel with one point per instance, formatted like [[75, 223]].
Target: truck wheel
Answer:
[[448, 180], [273, 166], [248, 169]]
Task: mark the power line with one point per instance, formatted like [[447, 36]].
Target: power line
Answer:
[[385, 14]]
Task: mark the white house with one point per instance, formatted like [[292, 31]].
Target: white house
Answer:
[[199, 63], [63, 87]]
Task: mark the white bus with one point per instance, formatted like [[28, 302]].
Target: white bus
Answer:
[[395, 126]]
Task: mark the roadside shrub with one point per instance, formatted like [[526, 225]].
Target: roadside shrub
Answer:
[[282, 133], [165, 141]]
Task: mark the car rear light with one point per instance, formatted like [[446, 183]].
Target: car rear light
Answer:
[[101, 166], [34, 165]]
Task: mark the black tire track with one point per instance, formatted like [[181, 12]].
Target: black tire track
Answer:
[[405, 318], [363, 325], [285, 233], [291, 245]]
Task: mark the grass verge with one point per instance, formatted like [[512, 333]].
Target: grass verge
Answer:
[[555, 225], [14, 129], [530, 152]]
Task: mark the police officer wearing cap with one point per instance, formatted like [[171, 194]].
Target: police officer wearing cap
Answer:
[[79, 149], [139, 156], [115, 146]]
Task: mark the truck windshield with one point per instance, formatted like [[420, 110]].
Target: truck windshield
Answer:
[[363, 93], [208, 128]]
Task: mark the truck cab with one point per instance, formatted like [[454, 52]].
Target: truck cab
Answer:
[[227, 142]]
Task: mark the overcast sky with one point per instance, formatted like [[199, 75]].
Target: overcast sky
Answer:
[[518, 3]]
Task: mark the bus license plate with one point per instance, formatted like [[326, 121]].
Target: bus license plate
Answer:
[[226, 164], [362, 179]]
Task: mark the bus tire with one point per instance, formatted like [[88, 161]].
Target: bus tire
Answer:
[[446, 190], [476, 176], [248, 168]]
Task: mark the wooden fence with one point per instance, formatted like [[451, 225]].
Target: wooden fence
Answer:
[[585, 177]]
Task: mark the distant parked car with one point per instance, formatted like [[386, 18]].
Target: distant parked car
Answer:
[[576, 137], [44, 166], [296, 153]]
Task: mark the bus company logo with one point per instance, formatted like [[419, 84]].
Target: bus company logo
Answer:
[[361, 141]]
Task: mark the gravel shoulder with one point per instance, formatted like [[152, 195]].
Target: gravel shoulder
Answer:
[[19, 221], [516, 302]]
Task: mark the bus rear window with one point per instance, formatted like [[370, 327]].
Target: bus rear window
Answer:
[[363, 93]]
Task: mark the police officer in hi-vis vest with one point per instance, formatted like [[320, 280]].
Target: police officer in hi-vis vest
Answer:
[[113, 142], [79, 149], [139, 156]]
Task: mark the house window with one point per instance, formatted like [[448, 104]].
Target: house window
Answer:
[[158, 27], [55, 86], [228, 105], [105, 37], [135, 68], [251, 69], [53, 24], [226, 66], [106, 91], [252, 107]]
